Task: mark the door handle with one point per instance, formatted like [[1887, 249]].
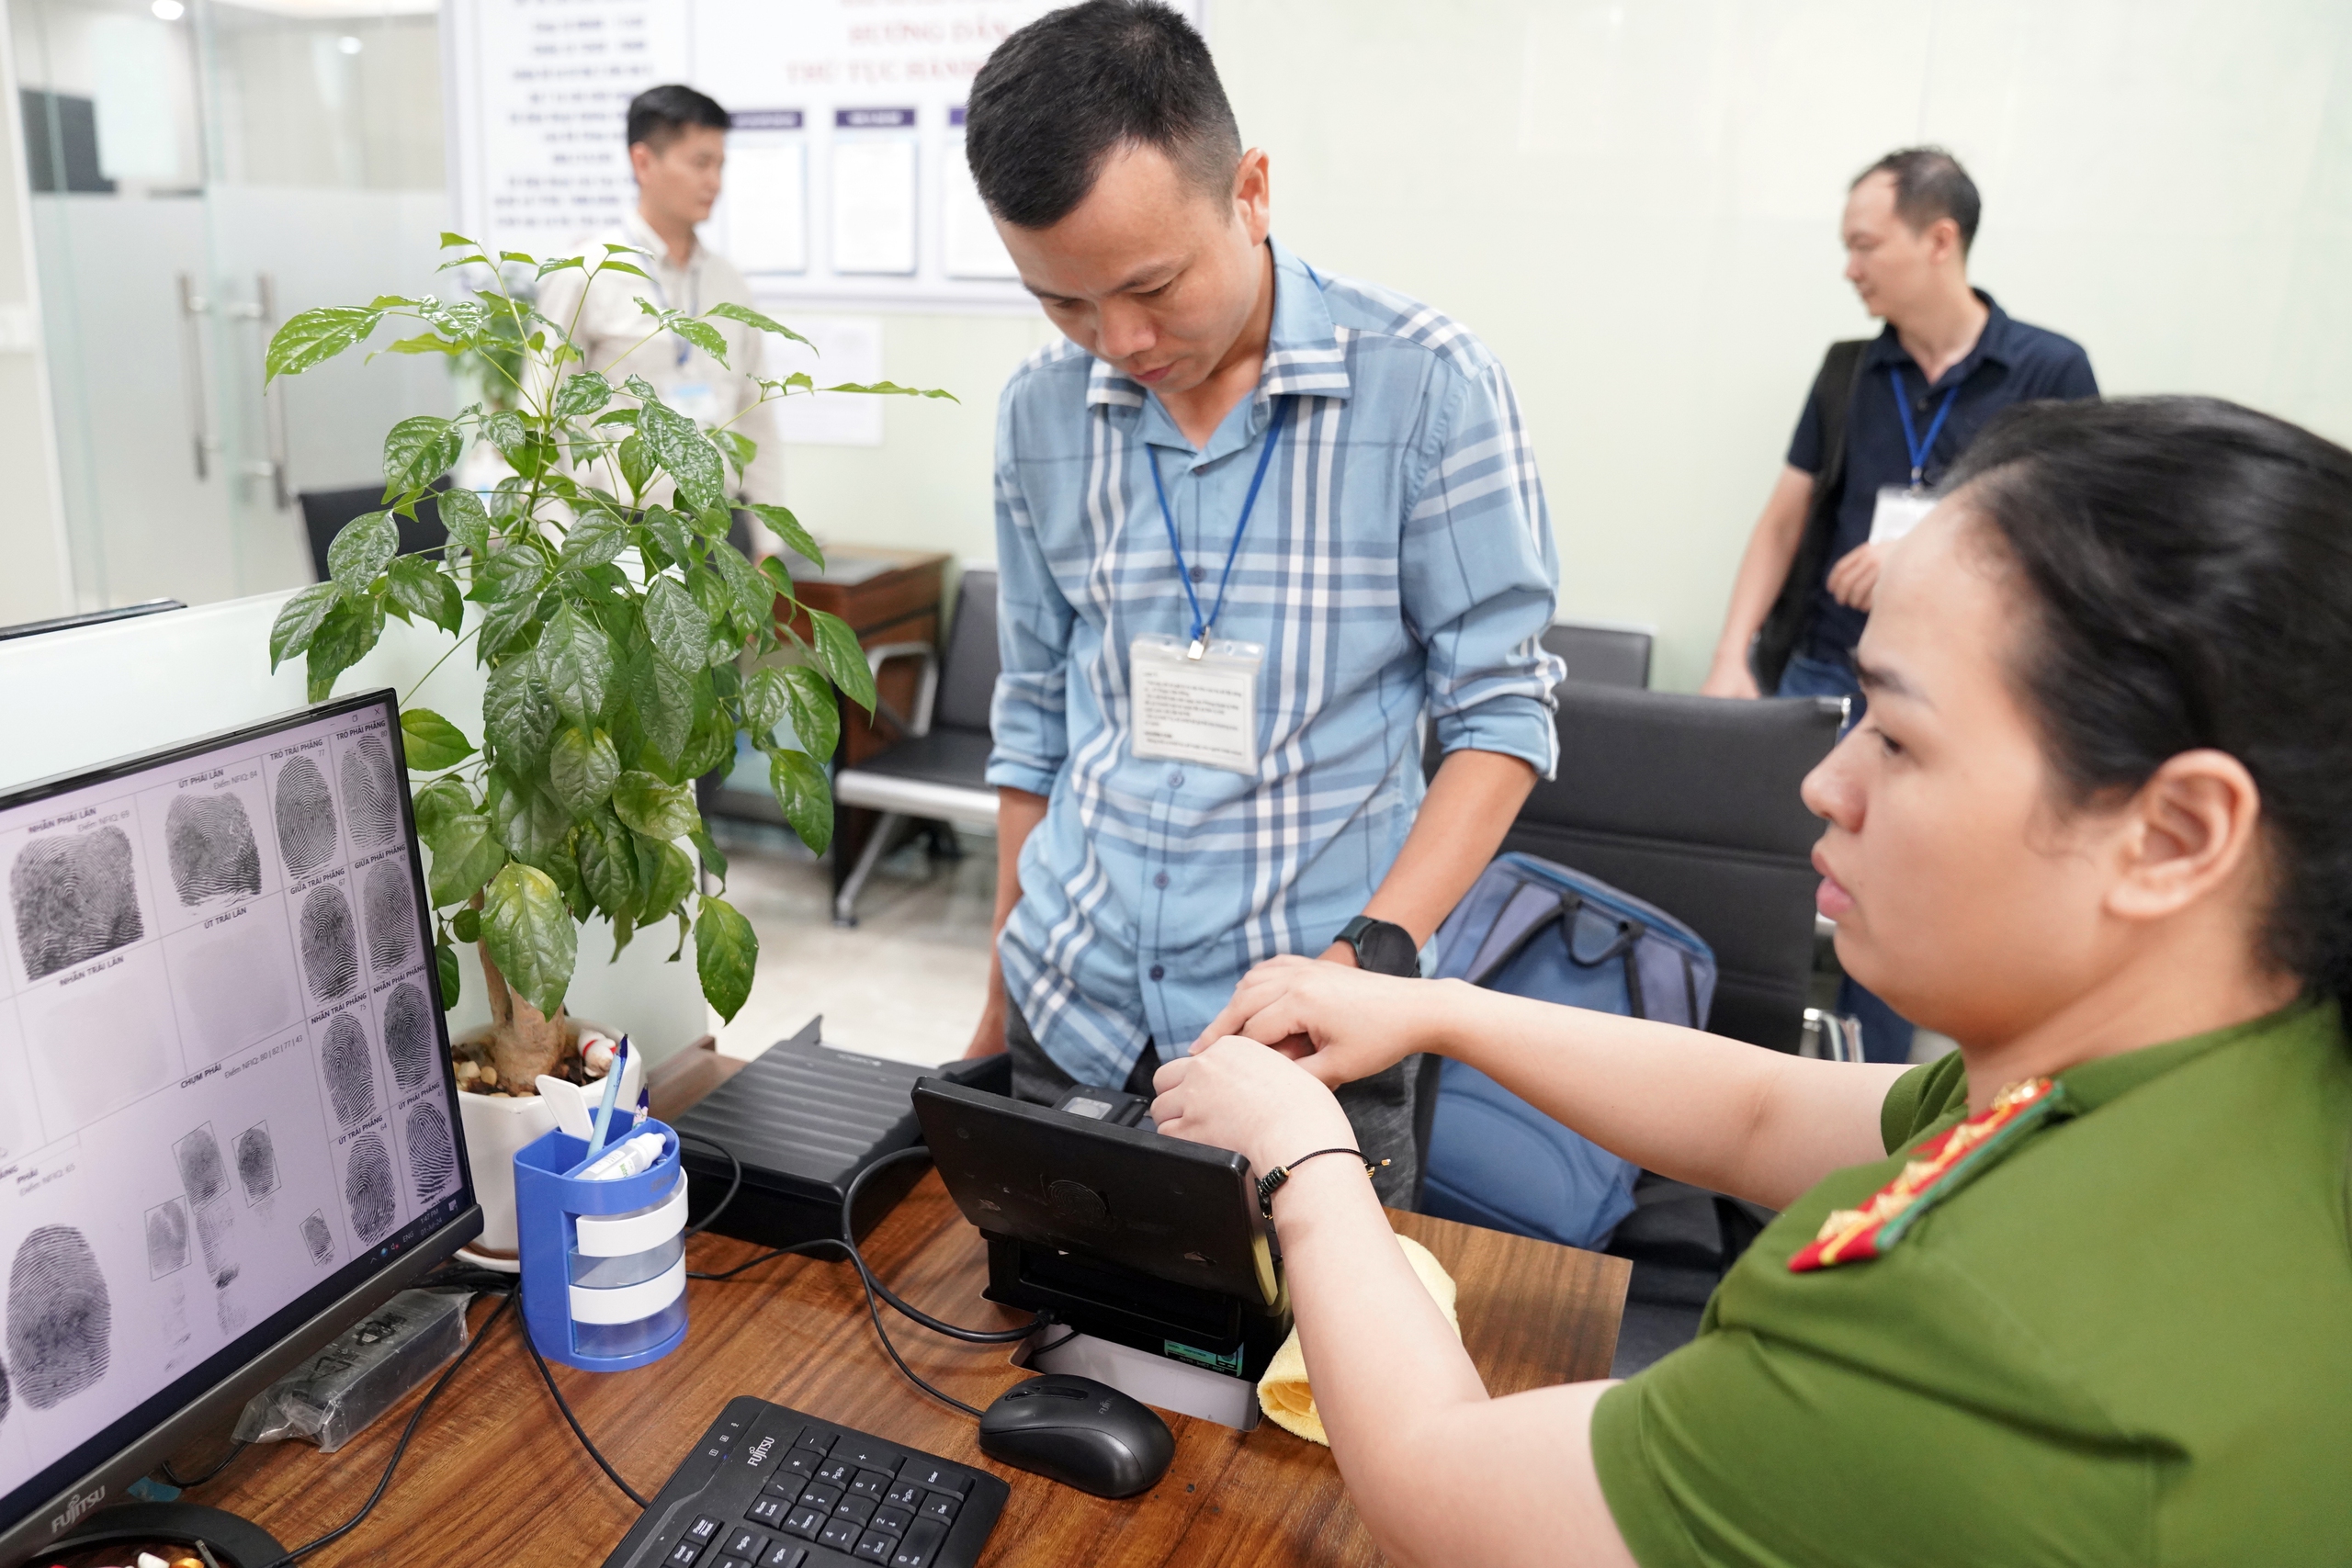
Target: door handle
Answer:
[[193, 306], [263, 312]]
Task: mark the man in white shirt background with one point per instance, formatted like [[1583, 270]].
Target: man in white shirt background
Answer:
[[677, 149]]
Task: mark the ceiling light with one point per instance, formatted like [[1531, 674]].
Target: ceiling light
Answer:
[[168, 10], [348, 44]]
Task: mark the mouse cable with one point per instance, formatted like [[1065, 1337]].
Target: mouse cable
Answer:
[[734, 1180], [224, 1462], [970, 1336], [573, 1421], [399, 1449]]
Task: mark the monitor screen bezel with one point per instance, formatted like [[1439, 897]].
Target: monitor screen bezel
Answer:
[[55, 1500]]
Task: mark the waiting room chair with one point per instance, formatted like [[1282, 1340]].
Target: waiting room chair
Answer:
[[938, 770], [325, 512], [1603, 655]]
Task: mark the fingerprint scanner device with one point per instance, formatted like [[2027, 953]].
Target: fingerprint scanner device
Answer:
[[603, 1259], [227, 1116], [804, 1119], [1115, 1106], [1146, 1241]]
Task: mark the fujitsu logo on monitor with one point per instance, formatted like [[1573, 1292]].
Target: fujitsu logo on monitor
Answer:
[[76, 1507]]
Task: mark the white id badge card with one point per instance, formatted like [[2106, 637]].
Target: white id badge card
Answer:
[[1900, 509], [1196, 710]]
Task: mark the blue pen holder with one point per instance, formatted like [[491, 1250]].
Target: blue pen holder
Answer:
[[604, 1262]]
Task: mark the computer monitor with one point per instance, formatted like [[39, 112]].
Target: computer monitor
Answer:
[[228, 1119]]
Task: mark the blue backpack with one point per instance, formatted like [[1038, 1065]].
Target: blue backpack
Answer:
[[1530, 928]]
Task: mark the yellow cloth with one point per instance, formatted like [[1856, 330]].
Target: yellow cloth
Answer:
[[1283, 1393]]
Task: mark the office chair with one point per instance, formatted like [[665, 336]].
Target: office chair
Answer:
[[938, 769], [325, 512], [1603, 655]]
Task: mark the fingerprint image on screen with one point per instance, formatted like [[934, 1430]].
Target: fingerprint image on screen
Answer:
[[76, 898], [204, 1174], [210, 841], [60, 1320], [390, 903], [166, 1238], [317, 1236], [305, 818], [329, 947], [349, 1071], [431, 1156], [368, 798], [408, 1037], [256, 1163], [367, 1187]]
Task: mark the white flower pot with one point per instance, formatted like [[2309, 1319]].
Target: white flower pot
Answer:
[[496, 1125]]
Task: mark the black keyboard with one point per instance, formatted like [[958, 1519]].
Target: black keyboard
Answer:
[[769, 1487]]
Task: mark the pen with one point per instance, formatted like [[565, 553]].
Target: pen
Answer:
[[612, 1092]]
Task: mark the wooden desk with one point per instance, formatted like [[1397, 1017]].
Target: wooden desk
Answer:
[[494, 1477]]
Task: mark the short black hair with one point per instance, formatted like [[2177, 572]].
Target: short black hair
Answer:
[[1063, 93], [657, 115], [2189, 567], [1929, 183]]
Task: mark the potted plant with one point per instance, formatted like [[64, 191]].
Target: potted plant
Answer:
[[618, 629]]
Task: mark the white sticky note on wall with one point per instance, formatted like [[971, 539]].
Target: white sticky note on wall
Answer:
[[970, 241], [840, 348], [767, 206], [874, 205]]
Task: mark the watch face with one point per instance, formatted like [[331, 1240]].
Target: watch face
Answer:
[[1386, 949]]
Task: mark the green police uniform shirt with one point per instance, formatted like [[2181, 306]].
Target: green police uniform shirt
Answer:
[[2125, 1336]]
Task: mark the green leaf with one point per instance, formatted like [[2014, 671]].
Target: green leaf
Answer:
[[510, 573], [342, 640], [466, 854], [505, 431], [815, 717], [419, 450], [664, 877], [504, 626], [892, 389], [466, 925], [518, 715], [714, 859], [766, 698], [530, 822], [755, 596], [298, 622], [468, 520], [737, 448], [581, 394], [663, 697], [703, 335], [423, 589], [362, 548], [752, 318], [612, 263], [638, 387], [530, 935], [432, 742], [449, 239], [596, 539], [686, 453], [789, 529], [424, 343], [616, 416], [316, 336], [711, 746], [444, 972], [726, 953], [581, 768], [803, 795], [607, 856], [656, 810], [438, 802], [636, 463], [680, 630], [845, 661], [575, 660], [561, 263]]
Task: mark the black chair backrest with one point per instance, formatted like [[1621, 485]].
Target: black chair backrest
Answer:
[[967, 667], [325, 512], [1691, 802], [1605, 656]]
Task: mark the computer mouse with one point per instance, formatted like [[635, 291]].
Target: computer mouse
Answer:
[[1079, 1432]]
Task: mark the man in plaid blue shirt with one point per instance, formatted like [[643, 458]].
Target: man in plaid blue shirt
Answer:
[[1253, 523]]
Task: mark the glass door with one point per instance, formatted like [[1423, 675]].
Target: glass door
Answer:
[[200, 171]]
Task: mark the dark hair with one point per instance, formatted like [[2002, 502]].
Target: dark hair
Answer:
[[1063, 93], [657, 115], [1929, 183], [2190, 564]]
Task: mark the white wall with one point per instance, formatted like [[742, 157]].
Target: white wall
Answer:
[[1636, 203]]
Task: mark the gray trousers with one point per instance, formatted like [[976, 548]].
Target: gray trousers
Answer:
[[1379, 1108]]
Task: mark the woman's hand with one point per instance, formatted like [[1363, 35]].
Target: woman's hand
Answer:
[[1237, 1094], [1853, 581], [1343, 1023]]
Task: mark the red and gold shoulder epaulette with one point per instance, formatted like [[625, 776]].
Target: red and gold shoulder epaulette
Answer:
[[1937, 1166]]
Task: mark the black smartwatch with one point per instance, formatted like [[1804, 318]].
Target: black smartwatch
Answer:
[[1382, 947]]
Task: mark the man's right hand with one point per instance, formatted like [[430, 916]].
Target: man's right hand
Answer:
[[1730, 677]]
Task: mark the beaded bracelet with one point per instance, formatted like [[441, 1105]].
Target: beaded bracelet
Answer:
[[1272, 1182]]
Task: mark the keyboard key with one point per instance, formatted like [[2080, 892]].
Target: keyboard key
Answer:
[[933, 1476], [746, 1541], [805, 1522], [840, 1534], [870, 1483], [941, 1507], [788, 1487], [836, 1471], [895, 1520], [857, 1509], [800, 1463], [816, 1440], [784, 1555], [919, 1545], [869, 1454], [905, 1495], [875, 1547], [703, 1531], [684, 1554], [731, 1563], [821, 1497], [767, 1510]]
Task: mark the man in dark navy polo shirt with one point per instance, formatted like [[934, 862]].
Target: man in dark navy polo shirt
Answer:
[[1886, 417]]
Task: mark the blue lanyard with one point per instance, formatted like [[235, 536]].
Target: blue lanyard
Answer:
[[1920, 448], [1201, 624]]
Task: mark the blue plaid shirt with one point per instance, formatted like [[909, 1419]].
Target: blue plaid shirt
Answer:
[[1399, 561]]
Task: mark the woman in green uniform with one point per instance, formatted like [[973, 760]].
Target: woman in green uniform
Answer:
[[2080, 1293]]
